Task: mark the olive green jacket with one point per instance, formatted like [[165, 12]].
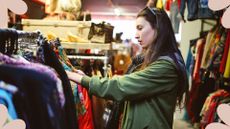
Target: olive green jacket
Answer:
[[149, 94]]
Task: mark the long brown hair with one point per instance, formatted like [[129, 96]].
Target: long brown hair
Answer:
[[164, 45]]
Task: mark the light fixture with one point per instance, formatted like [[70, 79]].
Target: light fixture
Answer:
[[117, 11]]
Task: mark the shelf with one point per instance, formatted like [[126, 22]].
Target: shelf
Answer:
[[74, 45], [55, 23], [118, 46]]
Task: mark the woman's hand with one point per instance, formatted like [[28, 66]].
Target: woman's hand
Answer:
[[75, 76], [79, 72]]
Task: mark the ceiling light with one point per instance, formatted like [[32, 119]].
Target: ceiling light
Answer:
[[117, 11]]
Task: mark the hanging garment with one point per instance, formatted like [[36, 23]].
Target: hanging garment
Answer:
[[199, 53], [174, 16], [167, 4], [6, 98], [70, 110], [212, 39], [159, 4], [225, 54], [22, 63], [179, 3], [227, 68], [204, 12], [84, 108], [85, 118], [191, 57], [197, 9], [210, 106], [37, 101], [217, 53], [209, 36], [203, 90], [81, 97], [192, 9]]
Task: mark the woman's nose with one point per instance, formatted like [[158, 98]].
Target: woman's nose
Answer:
[[137, 36]]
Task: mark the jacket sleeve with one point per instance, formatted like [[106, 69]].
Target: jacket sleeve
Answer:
[[157, 78]]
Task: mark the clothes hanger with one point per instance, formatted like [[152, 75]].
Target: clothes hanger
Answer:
[[8, 41], [16, 42], [2, 41], [8, 87], [11, 41]]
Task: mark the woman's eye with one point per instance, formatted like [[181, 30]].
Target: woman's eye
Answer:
[[139, 28]]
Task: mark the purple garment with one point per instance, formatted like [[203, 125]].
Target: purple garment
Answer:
[[28, 65], [22, 63]]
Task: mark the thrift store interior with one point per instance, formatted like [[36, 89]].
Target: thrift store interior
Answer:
[[99, 38]]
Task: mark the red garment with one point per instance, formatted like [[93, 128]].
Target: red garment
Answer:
[[195, 77], [193, 94], [225, 55], [167, 5], [211, 105], [85, 121], [212, 113], [199, 54], [178, 1]]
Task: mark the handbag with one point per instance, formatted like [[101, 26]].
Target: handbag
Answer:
[[101, 33]]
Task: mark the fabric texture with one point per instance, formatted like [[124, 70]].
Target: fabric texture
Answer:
[[6, 99], [174, 16], [37, 101], [197, 9], [227, 68], [70, 110], [225, 54]]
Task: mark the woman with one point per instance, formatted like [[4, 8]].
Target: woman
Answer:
[[153, 89]]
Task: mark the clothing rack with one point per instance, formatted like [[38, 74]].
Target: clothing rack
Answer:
[[88, 57], [21, 33], [103, 58], [12, 40], [203, 22]]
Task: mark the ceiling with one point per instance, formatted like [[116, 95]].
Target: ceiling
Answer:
[[106, 7]]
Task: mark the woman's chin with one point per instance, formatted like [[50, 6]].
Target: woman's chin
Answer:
[[143, 47]]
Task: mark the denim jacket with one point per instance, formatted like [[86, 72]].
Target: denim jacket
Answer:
[[197, 9]]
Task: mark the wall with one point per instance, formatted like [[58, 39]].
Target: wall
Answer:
[[191, 30]]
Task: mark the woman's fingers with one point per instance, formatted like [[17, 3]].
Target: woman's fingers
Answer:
[[3, 115], [74, 76], [80, 72]]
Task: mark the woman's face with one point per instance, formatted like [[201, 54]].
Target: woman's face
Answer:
[[145, 34]]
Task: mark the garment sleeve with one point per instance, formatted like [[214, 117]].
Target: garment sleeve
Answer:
[[157, 78], [182, 7]]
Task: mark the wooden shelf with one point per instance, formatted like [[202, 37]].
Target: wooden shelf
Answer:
[[55, 23], [118, 46], [74, 45]]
